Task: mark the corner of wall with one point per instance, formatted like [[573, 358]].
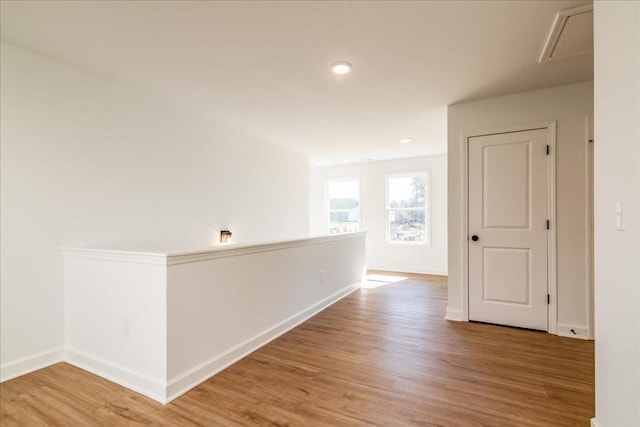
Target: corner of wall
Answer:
[[30, 364], [573, 331], [454, 314]]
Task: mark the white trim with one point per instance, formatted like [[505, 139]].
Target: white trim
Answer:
[[223, 251], [117, 256], [552, 282], [400, 269], [191, 378], [455, 315], [589, 226], [580, 332], [595, 423], [238, 250], [29, 364], [153, 388], [464, 205], [552, 315]]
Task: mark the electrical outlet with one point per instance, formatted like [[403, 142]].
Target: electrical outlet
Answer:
[[126, 326], [620, 215], [322, 276]]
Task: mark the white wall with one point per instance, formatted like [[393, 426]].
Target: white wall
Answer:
[[218, 310], [115, 318], [570, 105], [380, 254], [89, 163], [617, 177]]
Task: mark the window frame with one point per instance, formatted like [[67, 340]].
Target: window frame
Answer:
[[427, 208], [327, 203]]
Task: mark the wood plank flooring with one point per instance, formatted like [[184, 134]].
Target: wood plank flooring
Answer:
[[382, 356]]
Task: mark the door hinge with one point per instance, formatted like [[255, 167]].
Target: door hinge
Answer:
[[548, 225], [548, 150], [548, 299]]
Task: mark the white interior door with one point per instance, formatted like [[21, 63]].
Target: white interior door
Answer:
[[508, 213]]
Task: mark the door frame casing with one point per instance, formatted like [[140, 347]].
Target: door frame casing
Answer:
[[552, 308], [589, 228]]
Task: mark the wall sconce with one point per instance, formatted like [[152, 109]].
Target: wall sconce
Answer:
[[225, 235]]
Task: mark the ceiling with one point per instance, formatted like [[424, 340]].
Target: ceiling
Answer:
[[264, 67]]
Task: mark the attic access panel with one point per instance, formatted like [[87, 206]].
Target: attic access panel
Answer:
[[571, 35]]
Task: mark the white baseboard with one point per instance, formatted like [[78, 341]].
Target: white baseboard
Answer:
[[573, 331], [29, 364], [155, 388], [150, 387], [191, 378], [595, 423], [455, 315], [400, 269]]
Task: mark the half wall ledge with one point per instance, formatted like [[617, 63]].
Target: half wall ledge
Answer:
[[161, 323]]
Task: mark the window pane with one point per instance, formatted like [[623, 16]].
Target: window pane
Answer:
[[344, 222], [344, 194], [407, 191], [407, 225]]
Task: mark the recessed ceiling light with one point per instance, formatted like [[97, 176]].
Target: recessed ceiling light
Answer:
[[346, 160], [341, 67], [405, 140]]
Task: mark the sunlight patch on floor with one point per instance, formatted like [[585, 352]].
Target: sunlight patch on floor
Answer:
[[377, 280]]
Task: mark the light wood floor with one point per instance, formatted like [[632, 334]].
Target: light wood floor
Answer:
[[382, 356]]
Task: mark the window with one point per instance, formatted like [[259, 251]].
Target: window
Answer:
[[407, 209], [343, 205]]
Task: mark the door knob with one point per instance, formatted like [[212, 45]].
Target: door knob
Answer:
[[474, 238]]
